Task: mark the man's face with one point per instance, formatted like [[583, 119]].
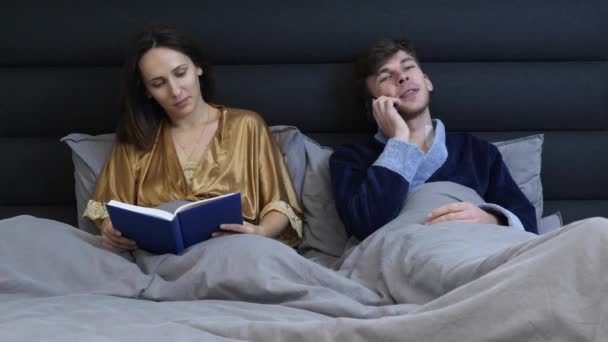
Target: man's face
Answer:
[[401, 77]]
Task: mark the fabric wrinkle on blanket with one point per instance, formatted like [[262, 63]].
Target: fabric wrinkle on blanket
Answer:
[[430, 282]]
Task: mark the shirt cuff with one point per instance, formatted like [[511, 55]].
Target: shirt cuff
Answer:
[[512, 220], [401, 157]]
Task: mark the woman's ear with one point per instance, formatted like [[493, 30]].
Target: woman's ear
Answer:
[[199, 71]]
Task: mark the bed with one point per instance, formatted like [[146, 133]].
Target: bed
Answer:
[[530, 76]]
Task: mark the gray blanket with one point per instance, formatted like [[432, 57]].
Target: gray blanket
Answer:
[[407, 282]]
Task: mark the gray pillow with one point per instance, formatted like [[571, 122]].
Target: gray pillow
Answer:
[[523, 159], [291, 143], [550, 223], [89, 155], [308, 164], [323, 231]]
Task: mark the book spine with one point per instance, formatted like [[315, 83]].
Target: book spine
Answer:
[[177, 233], [199, 222]]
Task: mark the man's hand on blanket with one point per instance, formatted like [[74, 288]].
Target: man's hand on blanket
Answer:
[[245, 228], [461, 211], [113, 239]]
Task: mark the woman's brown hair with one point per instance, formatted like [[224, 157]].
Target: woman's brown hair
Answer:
[[141, 115]]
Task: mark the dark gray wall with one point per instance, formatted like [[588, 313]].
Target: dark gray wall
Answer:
[[504, 69]]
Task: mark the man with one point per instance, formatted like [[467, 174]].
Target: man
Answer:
[[371, 180]]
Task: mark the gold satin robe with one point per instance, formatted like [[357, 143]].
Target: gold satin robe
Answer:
[[242, 156]]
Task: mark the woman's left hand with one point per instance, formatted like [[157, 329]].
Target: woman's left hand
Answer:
[[245, 228]]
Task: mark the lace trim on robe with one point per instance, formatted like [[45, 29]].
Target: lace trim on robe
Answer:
[[189, 168], [292, 235], [96, 212]]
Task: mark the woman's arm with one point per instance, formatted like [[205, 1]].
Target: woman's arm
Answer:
[[271, 225], [279, 208], [277, 212], [115, 182]]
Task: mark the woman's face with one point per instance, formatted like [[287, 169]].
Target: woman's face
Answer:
[[171, 78]]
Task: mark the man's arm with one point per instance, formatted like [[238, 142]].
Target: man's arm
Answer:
[[369, 196]]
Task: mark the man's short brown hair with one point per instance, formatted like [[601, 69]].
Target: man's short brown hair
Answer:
[[369, 62]]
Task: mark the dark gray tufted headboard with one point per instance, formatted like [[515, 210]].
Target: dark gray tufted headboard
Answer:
[[501, 68]]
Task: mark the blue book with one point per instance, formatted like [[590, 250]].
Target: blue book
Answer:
[[177, 225]]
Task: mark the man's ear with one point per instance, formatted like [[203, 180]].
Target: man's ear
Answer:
[[199, 71], [429, 84]]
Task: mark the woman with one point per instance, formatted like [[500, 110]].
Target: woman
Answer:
[[173, 144]]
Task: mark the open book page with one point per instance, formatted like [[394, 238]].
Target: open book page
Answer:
[[148, 211], [194, 204], [173, 206]]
